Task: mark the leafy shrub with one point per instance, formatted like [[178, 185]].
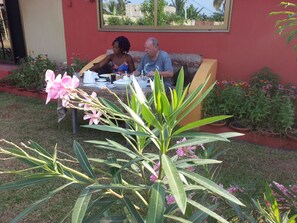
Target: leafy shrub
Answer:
[[282, 114], [212, 103], [233, 99], [257, 108], [76, 64], [266, 80], [288, 90], [257, 103], [114, 20], [30, 73]]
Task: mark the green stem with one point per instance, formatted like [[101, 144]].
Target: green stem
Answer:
[[77, 173]]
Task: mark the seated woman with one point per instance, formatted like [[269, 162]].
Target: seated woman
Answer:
[[120, 60]]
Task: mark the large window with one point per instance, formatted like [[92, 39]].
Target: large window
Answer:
[[164, 15]]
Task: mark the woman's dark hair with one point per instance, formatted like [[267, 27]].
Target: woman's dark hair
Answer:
[[124, 44]]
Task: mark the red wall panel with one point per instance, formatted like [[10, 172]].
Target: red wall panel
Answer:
[[251, 44]]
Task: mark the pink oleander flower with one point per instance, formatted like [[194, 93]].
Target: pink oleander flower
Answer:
[[94, 117], [69, 83], [294, 188], [157, 166], [188, 151], [88, 98], [53, 85], [234, 189], [58, 87], [190, 168], [154, 176], [65, 101], [281, 187], [170, 199], [215, 198]]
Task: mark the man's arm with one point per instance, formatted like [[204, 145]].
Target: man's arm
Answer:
[[168, 69], [140, 67], [136, 73], [167, 73]]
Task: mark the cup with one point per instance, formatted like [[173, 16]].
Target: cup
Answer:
[[126, 78], [112, 78], [142, 83]]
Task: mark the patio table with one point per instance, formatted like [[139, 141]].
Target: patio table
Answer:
[[104, 93]]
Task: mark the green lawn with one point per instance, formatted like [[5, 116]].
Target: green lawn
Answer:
[[23, 119]]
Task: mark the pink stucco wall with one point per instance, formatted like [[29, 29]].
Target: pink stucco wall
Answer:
[[251, 44]]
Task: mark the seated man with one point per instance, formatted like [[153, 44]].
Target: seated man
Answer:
[[155, 59]]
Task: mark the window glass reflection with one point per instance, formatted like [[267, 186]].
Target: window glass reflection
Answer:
[[165, 13]]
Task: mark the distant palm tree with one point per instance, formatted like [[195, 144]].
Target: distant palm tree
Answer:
[[217, 4], [193, 13], [110, 8], [121, 6], [179, 6], [115, 8]]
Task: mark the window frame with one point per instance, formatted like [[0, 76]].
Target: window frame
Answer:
[[205, 28]]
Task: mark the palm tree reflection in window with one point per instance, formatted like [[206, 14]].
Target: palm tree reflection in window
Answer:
[[182, 14]]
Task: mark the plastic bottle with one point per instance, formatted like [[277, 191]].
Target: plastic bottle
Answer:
[[141, 74]]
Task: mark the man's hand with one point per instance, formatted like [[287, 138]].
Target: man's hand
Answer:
[[150, 74]]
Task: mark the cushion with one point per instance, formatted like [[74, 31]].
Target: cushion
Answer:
[[193, 61]]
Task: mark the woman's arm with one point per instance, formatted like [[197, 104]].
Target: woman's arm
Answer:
[[130, 63], [97, 66]]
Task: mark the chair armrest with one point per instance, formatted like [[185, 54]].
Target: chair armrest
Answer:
[[90, 64], [208, 67]]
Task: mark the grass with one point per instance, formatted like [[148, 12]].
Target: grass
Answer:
[[23, 119]]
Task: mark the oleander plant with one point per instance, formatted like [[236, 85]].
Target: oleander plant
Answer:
[[145, 186]]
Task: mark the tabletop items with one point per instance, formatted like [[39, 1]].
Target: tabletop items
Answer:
[[92, 79]]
